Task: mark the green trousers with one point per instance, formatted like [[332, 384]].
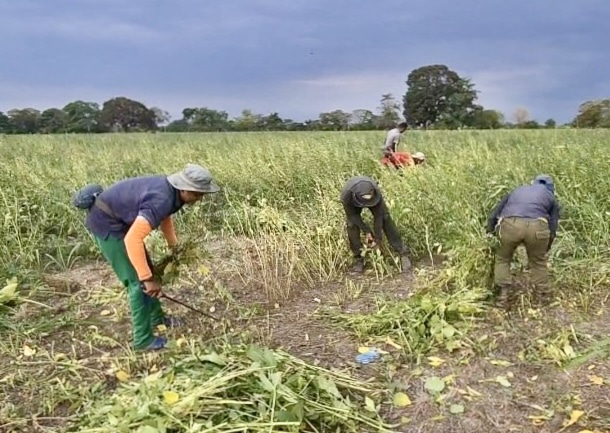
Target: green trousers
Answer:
[[535, 235], [146, 311]]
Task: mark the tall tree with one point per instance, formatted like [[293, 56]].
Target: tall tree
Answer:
[[487, 119], [436, 92], [5, 124], [205, 119], [83, 117], [550, 123], [162, 117], [52, 121], [363, 120], [593, 114], [25, 121], [521, 116], [336, 120], [126, 115], [388, 111], [248, 121]]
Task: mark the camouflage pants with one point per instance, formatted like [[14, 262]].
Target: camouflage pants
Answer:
[[535, 235]]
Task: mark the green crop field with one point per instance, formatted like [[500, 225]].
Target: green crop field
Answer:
[[268, 257]]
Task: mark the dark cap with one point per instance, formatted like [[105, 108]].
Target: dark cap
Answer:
[[365, 194]]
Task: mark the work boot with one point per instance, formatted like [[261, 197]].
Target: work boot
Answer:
[[358, 266], [157, 344], [405, 264], [543, 295], [504, 293]]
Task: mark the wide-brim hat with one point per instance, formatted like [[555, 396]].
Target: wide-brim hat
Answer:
[[365, 194], [193, 178], [419, 155]]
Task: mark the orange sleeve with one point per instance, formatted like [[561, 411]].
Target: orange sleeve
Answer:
[[167, 228], [134, 244]]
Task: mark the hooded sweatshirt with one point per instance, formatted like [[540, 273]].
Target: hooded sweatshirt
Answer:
[[529, 201]]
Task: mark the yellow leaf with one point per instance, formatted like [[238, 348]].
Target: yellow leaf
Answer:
[[363, 349], [389, 341], [574, 417], [435, 361], [500, 362], [162, 327], [180, 341], [369, 403], [203, 270], [591, 367], [59, 356], [405, 420], [105, 313], [596, 380], [122, 376], [401, 399], [28, 351], [169, 268], [473, 392], [170, 397]]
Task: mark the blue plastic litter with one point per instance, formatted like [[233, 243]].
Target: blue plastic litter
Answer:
[[368, 357]]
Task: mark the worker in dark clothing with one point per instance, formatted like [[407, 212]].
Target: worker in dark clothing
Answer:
[[363, 192], [528, 215]]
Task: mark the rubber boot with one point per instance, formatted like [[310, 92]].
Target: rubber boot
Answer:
[[358, 266], [544, 295], [504, 294], [405, 264]]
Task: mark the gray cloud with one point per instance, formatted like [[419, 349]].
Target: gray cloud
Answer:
[[300, 57]]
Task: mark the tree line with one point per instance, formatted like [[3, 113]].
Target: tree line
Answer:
[[436, 98]]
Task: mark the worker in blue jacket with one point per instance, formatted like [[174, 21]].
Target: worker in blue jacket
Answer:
[[528, 215]]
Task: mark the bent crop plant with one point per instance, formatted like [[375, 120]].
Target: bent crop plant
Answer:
[[280, 198]]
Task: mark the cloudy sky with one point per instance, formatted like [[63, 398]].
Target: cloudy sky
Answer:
[[301, 57]]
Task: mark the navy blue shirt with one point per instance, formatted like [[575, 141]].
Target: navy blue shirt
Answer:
[[152, 197]]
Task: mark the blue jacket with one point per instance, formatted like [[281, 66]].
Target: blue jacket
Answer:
[[529, 201]]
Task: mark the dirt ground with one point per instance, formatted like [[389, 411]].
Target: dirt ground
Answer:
[[84, 332]]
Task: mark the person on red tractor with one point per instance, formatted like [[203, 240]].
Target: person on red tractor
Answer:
[[391, 141], [363, 192]]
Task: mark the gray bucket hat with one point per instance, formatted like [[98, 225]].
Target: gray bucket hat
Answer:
[[193, 178]]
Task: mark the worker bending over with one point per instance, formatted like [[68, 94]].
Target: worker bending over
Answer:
[[391, 142], [122, 216], [363, 192], [528, 215]]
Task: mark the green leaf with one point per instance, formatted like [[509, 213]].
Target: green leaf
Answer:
[[456, 408], [262, 356], [434, 384], [214, 358], [9, 292]]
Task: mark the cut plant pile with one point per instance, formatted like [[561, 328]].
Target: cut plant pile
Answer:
[[237, 389]]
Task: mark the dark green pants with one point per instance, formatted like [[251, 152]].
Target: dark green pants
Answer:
[[146, 312], [535, 235]]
